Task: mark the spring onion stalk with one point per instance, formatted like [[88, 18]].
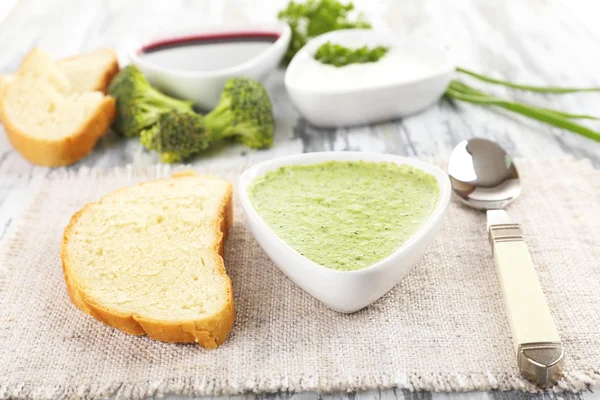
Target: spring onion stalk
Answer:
[[531, 88], [460, 91], [461, 87]]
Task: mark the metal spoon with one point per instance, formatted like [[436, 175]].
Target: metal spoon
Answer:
[[484, 177]]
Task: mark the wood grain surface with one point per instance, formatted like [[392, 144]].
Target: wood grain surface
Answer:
[[531, 41]]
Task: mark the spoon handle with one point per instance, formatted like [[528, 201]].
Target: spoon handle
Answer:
[[540, 355]]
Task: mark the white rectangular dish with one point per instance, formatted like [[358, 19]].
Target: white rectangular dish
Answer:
[[344, 291]]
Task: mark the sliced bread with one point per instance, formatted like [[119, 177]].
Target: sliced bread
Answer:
[[91, 71], [45, 120], [86, 72], [148, 260], [39, 64]]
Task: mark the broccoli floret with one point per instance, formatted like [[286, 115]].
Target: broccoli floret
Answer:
[[244, 112], [176, 135], [138, 103]]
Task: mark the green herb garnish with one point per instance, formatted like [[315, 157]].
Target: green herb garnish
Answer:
[[338, 55], [315, 17]]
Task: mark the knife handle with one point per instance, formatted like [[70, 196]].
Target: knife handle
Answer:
[[540, 355]]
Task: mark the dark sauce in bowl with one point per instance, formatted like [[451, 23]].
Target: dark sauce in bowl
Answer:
[[207, 52]]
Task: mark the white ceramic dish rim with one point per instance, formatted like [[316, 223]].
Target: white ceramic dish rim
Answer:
[[312, 44], [318, 157], [280, 27]]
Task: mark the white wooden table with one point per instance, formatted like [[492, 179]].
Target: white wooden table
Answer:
[[545, 42]]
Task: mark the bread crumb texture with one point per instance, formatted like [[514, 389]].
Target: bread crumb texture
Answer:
[[46, 119]]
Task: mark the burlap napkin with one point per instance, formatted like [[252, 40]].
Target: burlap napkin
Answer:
[[443, 328]]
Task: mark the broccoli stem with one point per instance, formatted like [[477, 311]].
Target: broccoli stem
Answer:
[[219, 121], [157, 98]]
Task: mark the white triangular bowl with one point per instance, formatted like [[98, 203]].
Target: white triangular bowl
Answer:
[[361, 102], [344, 291]]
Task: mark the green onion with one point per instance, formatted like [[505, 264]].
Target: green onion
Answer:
[[531, 88], [459, 91], [461, 87]]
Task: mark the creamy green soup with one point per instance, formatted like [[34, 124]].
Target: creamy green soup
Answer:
[[345, 215]]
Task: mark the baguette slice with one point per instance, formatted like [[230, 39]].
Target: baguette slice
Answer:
[[45, 120], [148, 260], [86, 72]]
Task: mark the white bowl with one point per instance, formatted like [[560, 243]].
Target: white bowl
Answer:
[[411, 77], [175, 72], [344, 291]]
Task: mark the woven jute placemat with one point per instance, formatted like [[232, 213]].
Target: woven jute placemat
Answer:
[[443, 328]]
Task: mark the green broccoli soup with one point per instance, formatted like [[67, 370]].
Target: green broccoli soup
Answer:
[[345, 215]]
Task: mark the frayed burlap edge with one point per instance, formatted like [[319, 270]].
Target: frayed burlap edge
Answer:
[[571, 382]]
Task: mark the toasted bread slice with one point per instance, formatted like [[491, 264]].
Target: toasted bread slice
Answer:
[[148, 260], [45, 120], [86, 72]]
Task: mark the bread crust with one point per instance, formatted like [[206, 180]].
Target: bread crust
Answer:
[[64, 151], [207, 332], [104, 81]]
